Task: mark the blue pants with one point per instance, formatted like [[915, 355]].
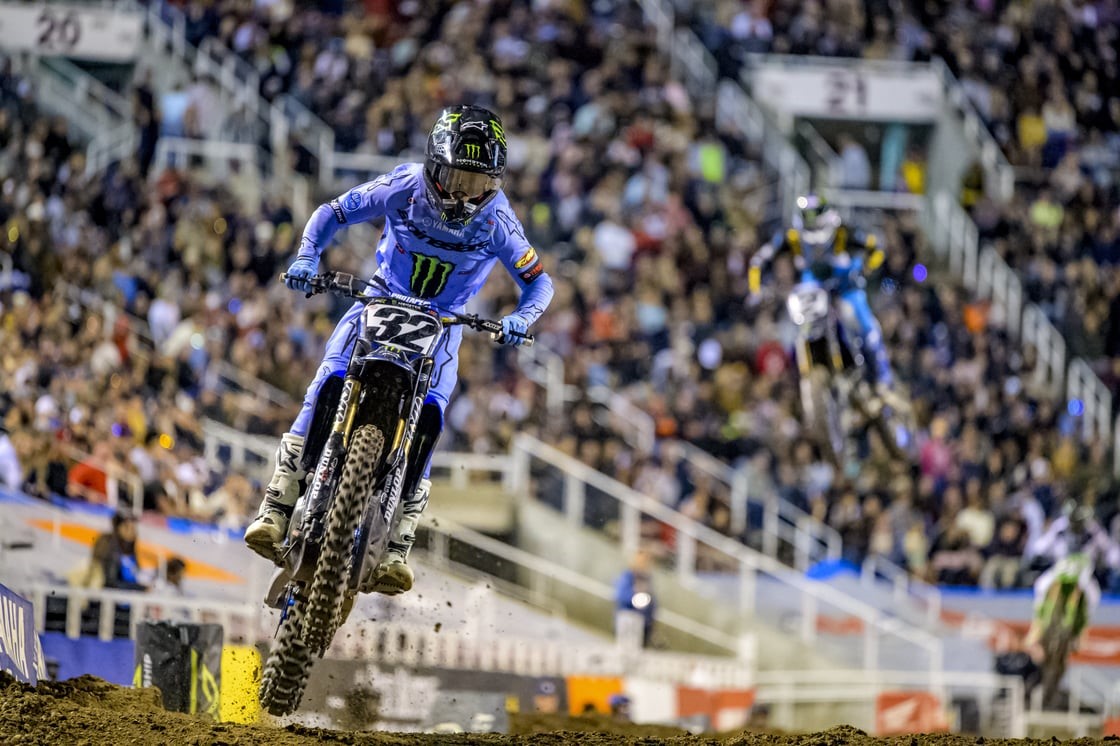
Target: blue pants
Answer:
[[445, 371], [860, 323]]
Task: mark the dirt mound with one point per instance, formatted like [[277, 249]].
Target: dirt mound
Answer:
[[90, 712]]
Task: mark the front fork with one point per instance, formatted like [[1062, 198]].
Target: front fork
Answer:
[[311, 508], [379, 516]]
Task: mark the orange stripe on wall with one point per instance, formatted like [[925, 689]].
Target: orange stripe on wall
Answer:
[[147, 553], [593, 691]]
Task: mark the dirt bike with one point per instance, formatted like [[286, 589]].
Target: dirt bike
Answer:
[[834, 392], [357, 457], [1062, 622]]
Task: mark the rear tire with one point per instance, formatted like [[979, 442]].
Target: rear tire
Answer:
[[327, 595]]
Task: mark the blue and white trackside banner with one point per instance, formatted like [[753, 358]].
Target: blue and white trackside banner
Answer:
[[20, 652]]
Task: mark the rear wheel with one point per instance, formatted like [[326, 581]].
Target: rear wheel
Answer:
[[327, 596]]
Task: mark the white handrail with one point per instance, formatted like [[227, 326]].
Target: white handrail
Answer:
[[570, 578], [1095, 399], [953, 234], [240, 621], [690, 534], [839, 685], [402, 644], [907, 588], [216, 153], [630, 420]]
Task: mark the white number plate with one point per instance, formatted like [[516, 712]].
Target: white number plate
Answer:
[[404, 328], [807, 304]]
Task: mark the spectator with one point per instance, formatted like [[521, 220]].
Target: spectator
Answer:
[[11, 473], [975, 519], [1003, 556], [855, 166], [114, 553], [88, 479], [953, 560], [634, 598], [172, 581]]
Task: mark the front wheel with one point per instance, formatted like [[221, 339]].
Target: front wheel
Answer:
[[823, 412], [285, 672], [327, 596], [310, 621], [1057, 644]]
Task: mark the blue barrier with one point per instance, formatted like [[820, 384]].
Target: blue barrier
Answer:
[[111, 660]]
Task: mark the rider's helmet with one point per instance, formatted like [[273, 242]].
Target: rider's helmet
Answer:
[[817, 221], [465, 161]]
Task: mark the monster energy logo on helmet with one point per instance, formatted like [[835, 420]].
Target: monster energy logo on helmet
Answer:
[[465, 161], [429, 275]]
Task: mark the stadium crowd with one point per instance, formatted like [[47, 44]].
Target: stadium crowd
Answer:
[[1045, 79], [648, 215]]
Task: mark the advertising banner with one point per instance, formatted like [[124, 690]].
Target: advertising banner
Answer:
[[20, 653], [900, 713], [70, 31], [184, 661], [855, 91]]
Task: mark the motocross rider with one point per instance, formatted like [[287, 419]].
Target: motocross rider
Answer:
[[832, 255], [1076, 541], [447, 222]]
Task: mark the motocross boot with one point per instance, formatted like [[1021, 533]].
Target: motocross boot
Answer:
[[394, 576], [266, 533]]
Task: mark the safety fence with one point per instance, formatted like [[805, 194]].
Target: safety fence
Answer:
[[693, 541], [417, 646], [999, 700]]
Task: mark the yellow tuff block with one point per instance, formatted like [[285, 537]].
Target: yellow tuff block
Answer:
[[241, 680]]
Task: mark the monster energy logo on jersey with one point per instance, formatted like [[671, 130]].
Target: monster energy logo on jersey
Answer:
[[472, 150], [429, 275]]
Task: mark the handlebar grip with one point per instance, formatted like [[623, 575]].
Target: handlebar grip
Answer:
[[495, 329]]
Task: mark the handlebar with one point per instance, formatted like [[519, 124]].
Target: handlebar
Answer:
[[346, 285]]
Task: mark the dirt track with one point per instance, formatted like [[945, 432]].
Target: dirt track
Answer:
[[90, 712]]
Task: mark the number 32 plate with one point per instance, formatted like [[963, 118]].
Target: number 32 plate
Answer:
[[403, 328]]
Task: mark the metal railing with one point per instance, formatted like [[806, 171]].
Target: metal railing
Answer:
[[514, 472], [101, 116], [240, 621], [692, 536], [692, 63], [543, 573], [954, 236], [413, 645], [996, 167], [214, 155], [238, 86], [1001, 698], [906, 588]]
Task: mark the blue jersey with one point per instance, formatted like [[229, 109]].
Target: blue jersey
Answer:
[[422, 256]]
